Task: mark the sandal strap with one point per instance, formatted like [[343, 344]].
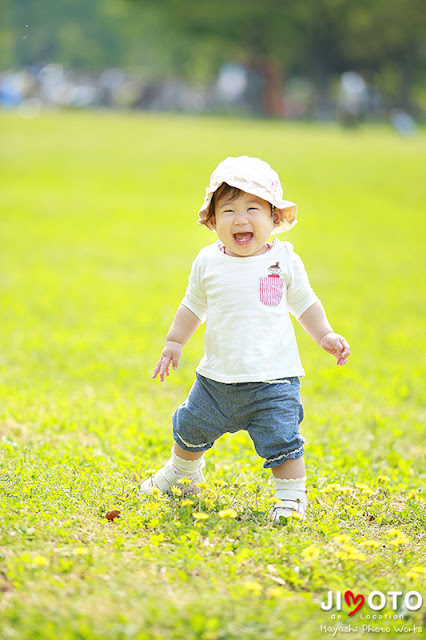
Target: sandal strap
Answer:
[[300, 508]]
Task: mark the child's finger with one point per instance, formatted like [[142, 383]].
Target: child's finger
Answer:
[[343, 358], [345, 354], [165, 361], [156, 370], [342, 351], [344, 344]]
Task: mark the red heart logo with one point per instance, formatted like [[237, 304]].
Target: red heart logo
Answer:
[[348, 596]]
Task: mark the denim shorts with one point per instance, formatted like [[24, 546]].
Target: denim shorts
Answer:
[[270, 411]]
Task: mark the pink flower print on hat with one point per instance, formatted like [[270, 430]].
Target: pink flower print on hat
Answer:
[[271, 287]]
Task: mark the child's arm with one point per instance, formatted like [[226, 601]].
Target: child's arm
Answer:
[[315, 323], [185, 323]]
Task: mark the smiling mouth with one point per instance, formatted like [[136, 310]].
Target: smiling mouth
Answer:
[[243, 238]]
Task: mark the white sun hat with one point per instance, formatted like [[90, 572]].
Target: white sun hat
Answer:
[[255, 176]]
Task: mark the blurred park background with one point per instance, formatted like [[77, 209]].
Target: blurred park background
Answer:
[[315, 59]]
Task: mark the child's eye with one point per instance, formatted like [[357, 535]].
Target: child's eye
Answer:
[[253, 209]]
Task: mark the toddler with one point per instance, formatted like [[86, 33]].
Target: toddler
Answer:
[[244, 287]]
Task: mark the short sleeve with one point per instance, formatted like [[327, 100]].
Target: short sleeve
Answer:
[[300, 295], [195, 298]]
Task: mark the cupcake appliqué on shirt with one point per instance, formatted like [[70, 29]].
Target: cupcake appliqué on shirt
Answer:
[[271, 287]]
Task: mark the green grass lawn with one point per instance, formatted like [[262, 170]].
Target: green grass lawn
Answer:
[[97, 234]]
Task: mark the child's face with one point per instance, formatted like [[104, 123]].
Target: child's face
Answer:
[[244, 224]]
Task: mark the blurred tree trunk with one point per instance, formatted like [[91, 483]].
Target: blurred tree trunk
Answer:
[[407, 69], [272, 102]]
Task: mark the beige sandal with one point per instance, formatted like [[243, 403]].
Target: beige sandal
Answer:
[[287, 508]]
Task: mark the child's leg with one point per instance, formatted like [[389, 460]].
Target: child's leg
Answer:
[[197, 423], [182, 464], [186, 455], [289, 469]]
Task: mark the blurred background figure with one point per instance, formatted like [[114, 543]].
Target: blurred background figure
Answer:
[[14, 87], [403, 123], [110, 82], [351, 99], [231, 83]]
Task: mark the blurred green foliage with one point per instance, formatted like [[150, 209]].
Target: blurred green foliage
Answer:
[[316, 38]]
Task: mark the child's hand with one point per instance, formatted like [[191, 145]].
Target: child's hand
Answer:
[[171, 353], [336, 345]]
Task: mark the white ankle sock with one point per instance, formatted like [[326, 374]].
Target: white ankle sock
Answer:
[[291, 489], [186, 467]]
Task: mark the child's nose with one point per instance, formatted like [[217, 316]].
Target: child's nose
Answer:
[[241, 217]]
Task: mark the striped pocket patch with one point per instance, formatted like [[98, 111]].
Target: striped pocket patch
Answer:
[[271, 290]]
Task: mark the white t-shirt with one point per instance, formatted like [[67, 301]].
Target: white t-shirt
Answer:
[[246, 303]]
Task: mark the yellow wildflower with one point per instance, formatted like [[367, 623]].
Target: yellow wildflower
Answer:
[[202, 485], [250, 585], [40, 561], [273, 592], [156, 538], [227, 513], [200, 516], [413, 495], [347, 555], [295, 515], [336, 486], [383, 479], [369, 543], [80, 551], [399, 540], [176, 491], [396, 534], [185, 481], [349, 548], [342, 537], [311, 553], [416, 572], [364, 488], [187, 502], [348, 552]]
